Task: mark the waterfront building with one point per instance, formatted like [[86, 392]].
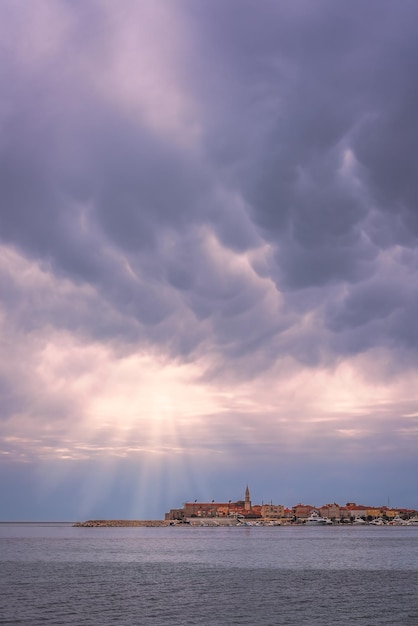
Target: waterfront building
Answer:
[[332, 511], [302, 511], [175, 514], [352, 510], [202, 509], [272, 511], [374, 512], [345, 513]]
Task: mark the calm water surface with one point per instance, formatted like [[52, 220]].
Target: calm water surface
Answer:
[[56, 574]]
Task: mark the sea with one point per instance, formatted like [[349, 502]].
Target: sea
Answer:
[[58, 574]]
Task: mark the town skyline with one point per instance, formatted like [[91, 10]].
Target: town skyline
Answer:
[[246, 509]]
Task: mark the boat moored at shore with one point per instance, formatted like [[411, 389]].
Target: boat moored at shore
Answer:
[[316, 520]]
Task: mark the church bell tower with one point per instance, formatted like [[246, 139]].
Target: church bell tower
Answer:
[[247, 503]]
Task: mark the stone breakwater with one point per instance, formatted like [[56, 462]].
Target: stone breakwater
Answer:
[[120, 523]]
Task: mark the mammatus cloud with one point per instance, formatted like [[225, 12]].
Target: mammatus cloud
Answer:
[[208, 230]]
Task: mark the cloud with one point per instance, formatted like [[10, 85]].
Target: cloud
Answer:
[[210, 208]]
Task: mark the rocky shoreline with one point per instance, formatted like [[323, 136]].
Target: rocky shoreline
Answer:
[[120, 523]]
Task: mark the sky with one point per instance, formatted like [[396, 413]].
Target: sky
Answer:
[[208, 255]]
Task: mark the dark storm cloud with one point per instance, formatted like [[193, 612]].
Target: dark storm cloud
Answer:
[[308, 120], [322, 80], [316, 124]]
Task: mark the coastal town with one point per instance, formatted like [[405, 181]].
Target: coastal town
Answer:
[[246, 513]]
